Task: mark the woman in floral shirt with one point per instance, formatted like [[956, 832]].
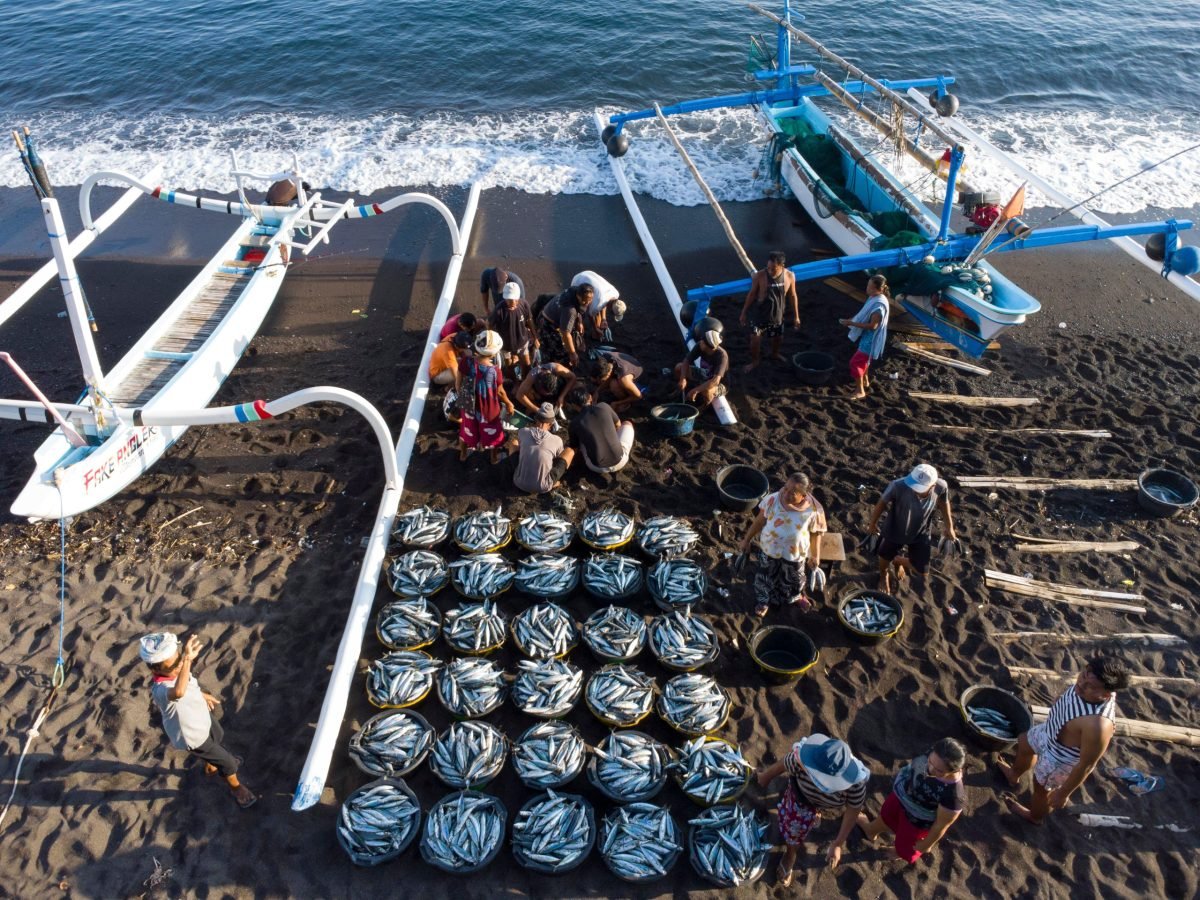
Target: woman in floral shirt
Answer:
[[785, 524]]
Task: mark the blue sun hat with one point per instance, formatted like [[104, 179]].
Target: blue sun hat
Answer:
[[830, 764]]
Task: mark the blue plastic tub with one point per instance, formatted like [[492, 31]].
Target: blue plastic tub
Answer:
[[675, 419]]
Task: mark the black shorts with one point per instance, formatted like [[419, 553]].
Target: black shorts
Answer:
[[767, 329], [920, 552], [214, 754], [558, 469]]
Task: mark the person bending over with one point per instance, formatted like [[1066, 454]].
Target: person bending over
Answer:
[[547, 382], [617, 373], [606, 300], [491, 286], [603, 439], [542, 460], [447, 356], [561, 324]]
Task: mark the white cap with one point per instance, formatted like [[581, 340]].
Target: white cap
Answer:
[[158, 648], [512, 291], [922, 478], [618, 310]]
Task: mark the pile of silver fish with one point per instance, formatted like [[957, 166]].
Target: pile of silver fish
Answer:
[[992, 722], [545, 533], [615, 632], [711, 771], [549, 754], [677, 582], [727, 845], [553, 832], [547, 688], [401, 678], [545, 630], [639, 841], [629, 766], [482, 575], [612, 576], [377, 822], [482, 531], [680, 640], [470, 687], [547, 574], [620, 695], [468, 753], [606, 528], [870, 614], [391, 744], [422, 527], [463, 832], [418, 573], [694, 704], [406, 624], [475, 627], [667, 536]]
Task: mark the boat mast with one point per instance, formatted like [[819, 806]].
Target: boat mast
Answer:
[[93, 374]]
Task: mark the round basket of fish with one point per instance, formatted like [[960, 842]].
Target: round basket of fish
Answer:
[[475, 629], [401, 678], [727, 845], [665, 536], [993, 716], [547, 688], [612, 576], [391, 744], [606, 529], [470, 687], [483, 532], [871, 616], [463, 832], [554, 833], [693, 705], [640, 842], [418, 573], [629, 766], [615, 634], [482, 576], [549, 754], [545, 631], [711, 771], [547, 575], [408, 624], [620, 696], [468, 754], [676, 583], [423, 527], [378, 821], [545, 532], [683, 642]]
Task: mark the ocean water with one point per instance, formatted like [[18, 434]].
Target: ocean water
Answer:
[[372, 94]]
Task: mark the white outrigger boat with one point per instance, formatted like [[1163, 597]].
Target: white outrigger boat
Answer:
[[104, 441], [939, 276]]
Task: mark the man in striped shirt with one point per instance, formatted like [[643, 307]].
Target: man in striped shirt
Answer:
[[1063, 750]]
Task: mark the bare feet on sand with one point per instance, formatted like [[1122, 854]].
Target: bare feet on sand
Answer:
[[1007, 771], [1014, 806]]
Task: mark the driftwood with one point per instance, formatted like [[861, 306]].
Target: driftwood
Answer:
[[974, 401], [1146, 680], [1033, 483], [1072, 432], [1061, 593], [1058, 637], [913, 350], [1154, 731], [1079, 546], [1070, 590]]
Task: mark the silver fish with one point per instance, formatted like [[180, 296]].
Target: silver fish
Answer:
[[639, 841], [870, 614], [407, 624], [468, 753], [475, 627], [418, 573], [612, 576], [544, 631], [680, 640], [482, 531], [421, 527], [377, 821], [470, 687], [667, 536], [606, 529], [620, 695], [992, 722], [547, 688], [629, 766], [677, 582], [553, 832], [711, 771], [545, 533], [547, 575], [401, 678], [615, 633], [482, 575], [549, 754], [727, 845], [463, 831], [391, 744], [694, 704]]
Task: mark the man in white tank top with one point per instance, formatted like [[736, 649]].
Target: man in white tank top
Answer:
[[1063, 750]]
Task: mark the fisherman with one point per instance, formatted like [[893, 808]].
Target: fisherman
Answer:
[[824, 778], [547, 382], [446, 357], [491, 286], [869, 329], [911, 502], [605, 298], [561, 324], [616, 373], [543, 459], [784, 526], [1063, 750], [284, 193], [706, 363], [512, 319], [603, 439], [772, 289], [187, 710], [466, 321], [480, 388], [927, 797]]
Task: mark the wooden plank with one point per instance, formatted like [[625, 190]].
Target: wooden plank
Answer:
[[1073, 432], [944, 360], [846, 288], [1155, 731], [934, 343], [973, 401], [1024, 483], [833, 548], [1070, 590], [1079, 547], [1043, 594], [1140, 680], [1060, 637]]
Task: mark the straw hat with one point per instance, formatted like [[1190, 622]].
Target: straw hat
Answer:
[[489, 343]]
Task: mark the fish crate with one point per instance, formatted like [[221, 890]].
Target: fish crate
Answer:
[[393, 608], [429, 854], [666, 716], [542, 868], [614, 597], [520, 623], [422, 528], [680, 776], [714, 647], [376, 765], [1007, 704], [454, 734], [379, 703], [540, 782], [414, 827], [533, 586], [622, 868], [866, 636], [399, 567], [661, 750], [599, 653], [521, 534]]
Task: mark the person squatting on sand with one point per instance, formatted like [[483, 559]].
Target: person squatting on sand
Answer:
[[1063, 750], [604, 440], [617, 373], [468, 322], [869, 328], [512, 319], [771, 289], [491, 286], [605, 298], [927, 797], [447, 356], [480, 388], [910, 503], [542, 459], [784, 526], [187, 711], [560, 324], [706, 364], [824, 778], [547, 382]]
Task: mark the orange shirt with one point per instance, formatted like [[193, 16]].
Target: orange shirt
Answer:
[[443, 358]]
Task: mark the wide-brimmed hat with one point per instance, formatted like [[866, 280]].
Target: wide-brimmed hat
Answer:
[[922, 478], [158, 647], [618, 310], [545, 413], [512, 291], [489, 343], [830, 764]]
